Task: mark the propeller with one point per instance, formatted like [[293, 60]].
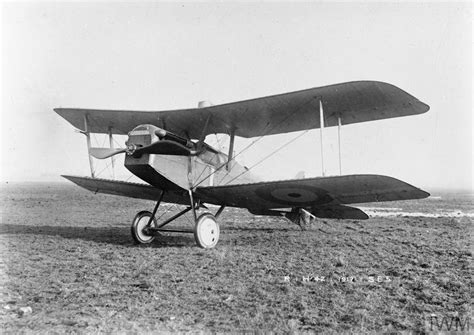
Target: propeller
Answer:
[[103, 153], [163, 147]]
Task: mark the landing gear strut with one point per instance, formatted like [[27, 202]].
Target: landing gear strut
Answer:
[[206, 228]]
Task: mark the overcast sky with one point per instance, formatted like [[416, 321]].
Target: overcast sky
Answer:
[[154, 56]]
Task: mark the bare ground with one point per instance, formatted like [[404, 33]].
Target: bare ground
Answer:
[[68, 255]]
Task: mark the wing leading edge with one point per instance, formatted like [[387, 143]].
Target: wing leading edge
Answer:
[[312, 192], [353, 102]]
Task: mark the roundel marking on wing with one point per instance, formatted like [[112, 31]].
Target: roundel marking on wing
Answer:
[[294, 195]]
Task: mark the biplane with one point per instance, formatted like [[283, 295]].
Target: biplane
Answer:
[[168, 151]]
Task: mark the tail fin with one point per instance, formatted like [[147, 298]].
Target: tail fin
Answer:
[[300, 175]]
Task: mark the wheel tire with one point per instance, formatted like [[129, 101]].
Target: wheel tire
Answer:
[[206, 231], [139, 223]]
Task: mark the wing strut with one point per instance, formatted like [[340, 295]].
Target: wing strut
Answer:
[[321, 120], [88, 139], [231, 149], [112, 158], [339, 142]]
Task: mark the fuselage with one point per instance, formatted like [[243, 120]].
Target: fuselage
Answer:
[[209, 167]]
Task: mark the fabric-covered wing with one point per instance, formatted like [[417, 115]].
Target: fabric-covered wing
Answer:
[[312, 192], [353, 102], [127, 189]]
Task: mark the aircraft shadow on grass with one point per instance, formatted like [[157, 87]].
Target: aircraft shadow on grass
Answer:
[[116, 235], [112, 235]]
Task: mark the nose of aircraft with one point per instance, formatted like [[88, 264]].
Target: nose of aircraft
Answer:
[[149, 139], [144, 134]]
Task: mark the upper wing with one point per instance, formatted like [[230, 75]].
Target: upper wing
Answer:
[[354, 102], [312, 192], [127, 189]]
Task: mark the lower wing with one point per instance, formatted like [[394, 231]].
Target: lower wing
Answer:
[[127, 189], [323, 196], [312, 192]]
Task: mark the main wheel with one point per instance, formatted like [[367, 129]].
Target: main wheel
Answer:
[[206, 231], [140, 222]]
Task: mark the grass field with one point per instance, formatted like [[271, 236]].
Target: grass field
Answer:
[[67, 254]]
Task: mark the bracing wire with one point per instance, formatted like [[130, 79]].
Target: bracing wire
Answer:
[[265, 132], [219, 148], [168, 209], [233, 158], [107, 165], [268, 156]]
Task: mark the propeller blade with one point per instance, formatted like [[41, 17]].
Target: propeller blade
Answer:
[[103, 153], [165, 147]]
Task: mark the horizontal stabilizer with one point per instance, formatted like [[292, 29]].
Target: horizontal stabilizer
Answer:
[[339, 212], [323, 212]]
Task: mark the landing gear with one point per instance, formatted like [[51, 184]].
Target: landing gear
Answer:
[[206, 228], [206, 231], [140, 227]]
